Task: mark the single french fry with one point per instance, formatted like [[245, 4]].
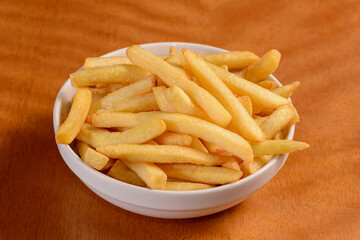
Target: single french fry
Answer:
[[232, 163], [94, 62], [277, 121], [201, 174], [215, 149], [159, 154], [197, 144], [135, 89], [162, 102], [260, 120], [181, 102], [295, 119], [259, 95], [241, 119], [110, 74], [170, 138], [246, 102], [91, 157], [121, 172], [139, 134], [68, 130], [151, 174], [173, 77], [268, 84], [142, 103], [177, 122], [185, 186], [287, 90], [277, 147], [263, 67], [233, 59]]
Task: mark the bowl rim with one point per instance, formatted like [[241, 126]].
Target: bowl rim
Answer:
[[104, 177]]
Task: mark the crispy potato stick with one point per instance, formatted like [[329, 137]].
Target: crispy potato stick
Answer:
[[295, 119], [241, 119], [251, 168], [215, 149], [268, 84], [202, 174], [277, 121], [233, 59], [68, 130], [185, 186], [263, 67], [197, 144], [261, 120], [121, 172], [142, 103], [134, 89], [139, 134], [259, 95], [100, 91], [159, 154], [278, 136], [177, 122], [246, 102], [162, 102], [177, 59], [117, 73], [93, 62], [151, 174], [91, 157], [183, 104], [170, 138], [276, 147], [287, 90], [172, 77], [232, 163], [115, 86]]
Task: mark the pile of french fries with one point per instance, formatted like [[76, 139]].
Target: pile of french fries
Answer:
[[180, 122]]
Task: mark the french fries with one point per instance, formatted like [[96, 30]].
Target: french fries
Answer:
[[68, 130], [139, 134], [241, 119], [201, 174], [263, 67], [173, 77], [180, 122], [277, 147], [169, 138], [177, 122], [109, 74], [159, 154]]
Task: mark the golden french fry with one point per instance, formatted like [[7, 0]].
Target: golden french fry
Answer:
[[121, 172], [185, 186], [260, 120], [287, 90], [68, 130], [215, 149], [295, 119], [135, 89], [276, 147], [181, 102], [259, 95], [268, 84], [162, 102], [172, 77], [177, 122], [109, 74], [277, 121], [263, 67], [201, 174], [232, 163], [151, 174], [246, 102], [170, 138], [197, 144], [139, 134], [94, 62], [91, 157], [159, 154], [142, 103], [241, 119]]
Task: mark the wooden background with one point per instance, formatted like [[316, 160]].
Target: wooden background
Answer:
[[315, 196]]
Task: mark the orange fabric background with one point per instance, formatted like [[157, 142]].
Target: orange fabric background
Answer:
[[316, 195]]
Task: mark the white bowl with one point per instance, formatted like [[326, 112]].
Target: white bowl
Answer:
[[158, 203]]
